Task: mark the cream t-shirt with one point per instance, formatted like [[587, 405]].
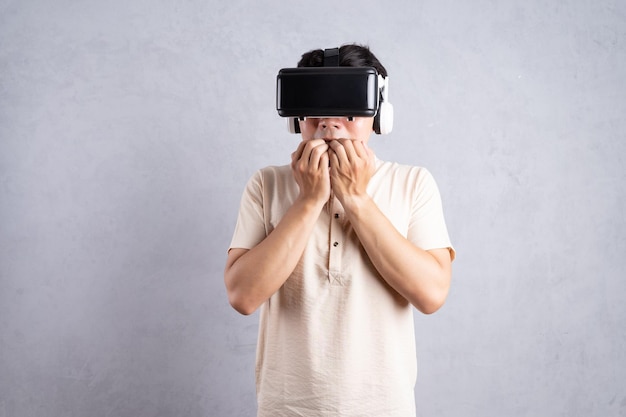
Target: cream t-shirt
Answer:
[[335, 339]]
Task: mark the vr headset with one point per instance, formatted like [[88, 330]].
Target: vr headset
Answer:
[[333, 91]]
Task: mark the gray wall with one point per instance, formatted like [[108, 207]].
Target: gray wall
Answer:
[[129, 128]]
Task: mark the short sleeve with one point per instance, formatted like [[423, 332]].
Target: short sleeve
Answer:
[[250, 229], [427, 228]]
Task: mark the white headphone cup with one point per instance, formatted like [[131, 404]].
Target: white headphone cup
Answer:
[[293, 125], [386, 117]]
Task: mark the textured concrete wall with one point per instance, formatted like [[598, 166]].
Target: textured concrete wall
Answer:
[[129, 128]]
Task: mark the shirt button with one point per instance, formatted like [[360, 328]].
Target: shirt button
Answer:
[[336, 215], [336, 244]]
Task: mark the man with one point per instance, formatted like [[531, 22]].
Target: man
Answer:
[[335, 249]]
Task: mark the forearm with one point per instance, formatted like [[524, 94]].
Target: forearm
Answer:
[[418, 275], [257, 274]]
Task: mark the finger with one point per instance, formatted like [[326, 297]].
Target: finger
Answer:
[[360, 149], [324, 163], [297, 154], [317, 153], [340, 151], [370, 152], [334, 161], [309, 146], [350, 147]]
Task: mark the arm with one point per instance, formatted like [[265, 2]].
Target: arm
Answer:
[[422, 277], [252, 276]]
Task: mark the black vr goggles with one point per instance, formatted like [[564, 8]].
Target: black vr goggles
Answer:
[[333, 91]]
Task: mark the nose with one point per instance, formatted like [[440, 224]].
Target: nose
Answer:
[[330, 123]]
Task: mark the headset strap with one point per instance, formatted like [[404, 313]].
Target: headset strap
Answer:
[[331, 57]]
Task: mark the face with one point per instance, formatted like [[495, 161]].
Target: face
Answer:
[[356, 128]]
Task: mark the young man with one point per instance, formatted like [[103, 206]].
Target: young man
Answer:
[[335, 249]]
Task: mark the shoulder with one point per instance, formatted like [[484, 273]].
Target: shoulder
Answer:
[[407, 174], [276, 171], [272, 183], [270, 175]]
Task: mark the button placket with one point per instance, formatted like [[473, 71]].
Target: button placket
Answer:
[[336, 238]]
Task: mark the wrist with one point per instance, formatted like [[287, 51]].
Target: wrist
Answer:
[[354, 204], [310, 203]]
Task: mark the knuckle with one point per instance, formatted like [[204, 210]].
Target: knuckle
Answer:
[[317, 151]]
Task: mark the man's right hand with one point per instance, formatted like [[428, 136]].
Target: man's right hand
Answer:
[[309, 164], [254, 275]]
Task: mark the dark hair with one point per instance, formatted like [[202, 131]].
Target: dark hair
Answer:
[[351, 55]]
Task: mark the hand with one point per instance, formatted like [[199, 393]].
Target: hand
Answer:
[[309, 164], [352, 165]]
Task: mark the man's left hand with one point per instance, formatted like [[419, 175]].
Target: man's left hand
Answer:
[[352, 165]]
